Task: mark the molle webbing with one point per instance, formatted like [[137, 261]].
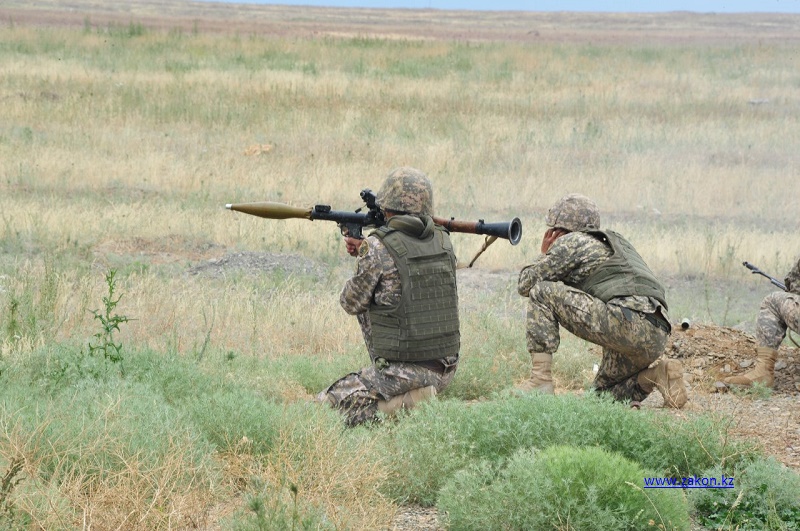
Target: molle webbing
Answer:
[[424, 325], [624, 274]]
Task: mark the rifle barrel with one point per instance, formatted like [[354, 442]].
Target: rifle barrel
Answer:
[[756, 271]]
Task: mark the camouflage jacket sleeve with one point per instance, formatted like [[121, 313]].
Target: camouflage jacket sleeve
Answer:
[[376, 279], [570, 259], [792, 280]]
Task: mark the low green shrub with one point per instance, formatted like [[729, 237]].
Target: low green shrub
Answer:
[[559, 488], [93, 427], [441, 437], [766, 495], [215, 407], [216, 404], [102, 439], [174, 432]]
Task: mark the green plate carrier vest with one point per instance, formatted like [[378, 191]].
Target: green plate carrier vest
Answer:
[[424, 324], [624, 274]]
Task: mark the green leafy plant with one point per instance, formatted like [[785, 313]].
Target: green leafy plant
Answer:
[[104, 342]]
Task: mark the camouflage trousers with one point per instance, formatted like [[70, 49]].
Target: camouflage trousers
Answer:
[[630, 343], [357, 394], [779, 311]]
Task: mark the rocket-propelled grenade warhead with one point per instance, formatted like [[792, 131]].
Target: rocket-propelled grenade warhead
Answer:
[[270, 210]]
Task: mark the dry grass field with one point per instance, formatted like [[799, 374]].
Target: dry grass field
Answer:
[[678, 28], [126, 127]]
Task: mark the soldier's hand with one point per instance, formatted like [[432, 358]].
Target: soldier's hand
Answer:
[[352, 245], [550, 236]]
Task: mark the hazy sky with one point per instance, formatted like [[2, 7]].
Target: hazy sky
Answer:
[[701, 6]]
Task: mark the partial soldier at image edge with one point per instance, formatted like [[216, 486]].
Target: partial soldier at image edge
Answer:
[[779, 312]]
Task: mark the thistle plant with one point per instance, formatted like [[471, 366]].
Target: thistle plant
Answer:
[[109, 322]]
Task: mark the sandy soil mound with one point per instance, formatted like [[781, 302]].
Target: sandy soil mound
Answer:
[[711, 353]]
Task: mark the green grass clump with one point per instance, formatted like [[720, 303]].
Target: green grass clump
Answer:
[[175, 433], [440, 438], [106, 447], [28, 309], [766, 495], [559, 488]]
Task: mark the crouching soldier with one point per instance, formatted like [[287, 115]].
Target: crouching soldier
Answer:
[[593, 283]]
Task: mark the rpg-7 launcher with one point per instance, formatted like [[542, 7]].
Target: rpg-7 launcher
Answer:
[[352, 223], [757, 271]]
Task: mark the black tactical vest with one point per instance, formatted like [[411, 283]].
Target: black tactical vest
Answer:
[[424, 324], [624, 274]]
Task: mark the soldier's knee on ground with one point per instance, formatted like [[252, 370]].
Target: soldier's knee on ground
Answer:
[[407, 400]]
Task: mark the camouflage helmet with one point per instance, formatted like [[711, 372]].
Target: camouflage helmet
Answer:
[[406, 190], [575, 213]]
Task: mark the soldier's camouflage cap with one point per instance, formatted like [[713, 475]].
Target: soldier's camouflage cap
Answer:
[[406, 190], [575, 213]]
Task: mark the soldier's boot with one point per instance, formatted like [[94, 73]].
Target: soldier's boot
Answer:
[[763, 372], [541, 379], [667, 377], [407, 400]]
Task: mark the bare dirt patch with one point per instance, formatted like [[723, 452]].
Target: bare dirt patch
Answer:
[[255, 263], [160, 250]]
